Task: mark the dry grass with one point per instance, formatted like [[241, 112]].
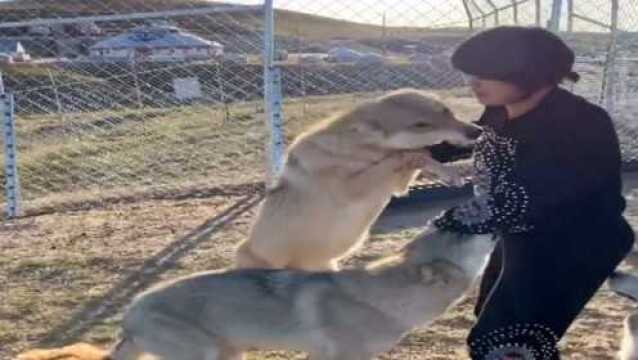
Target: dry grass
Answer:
[[68, 273], [67, 276], [56, 266]]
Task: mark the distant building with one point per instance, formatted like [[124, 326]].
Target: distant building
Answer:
[[156, 43], [420, 58], [311, 58], [12, 50], [344, 55], [347, 55], [78, 29], [371, 59]]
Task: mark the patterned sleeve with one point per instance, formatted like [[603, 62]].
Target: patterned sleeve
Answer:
[[500, 201], [555, 175], [505, 207], [472, 217]]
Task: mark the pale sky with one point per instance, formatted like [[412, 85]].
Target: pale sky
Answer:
[[440, 13], [398, 12]]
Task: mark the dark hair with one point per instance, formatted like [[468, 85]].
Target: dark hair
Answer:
[[529, 57]]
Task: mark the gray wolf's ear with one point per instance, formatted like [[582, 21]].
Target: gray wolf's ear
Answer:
[[440, 273], [624, 284], [631, 321], [432, 275]]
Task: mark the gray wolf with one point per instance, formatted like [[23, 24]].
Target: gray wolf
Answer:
[[340, 174], [627, 285], [351, 314]]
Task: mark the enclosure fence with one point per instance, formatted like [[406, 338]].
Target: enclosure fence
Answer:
[[111, 99]]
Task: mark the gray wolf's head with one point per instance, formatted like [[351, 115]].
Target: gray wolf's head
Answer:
[[466, 252], [627, 285], [624, 284], [631, 324], [629, 348]]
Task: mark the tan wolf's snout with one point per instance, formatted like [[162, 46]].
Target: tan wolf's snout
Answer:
[[472, 131]]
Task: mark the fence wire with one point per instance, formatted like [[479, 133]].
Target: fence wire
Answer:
[[124, 97]]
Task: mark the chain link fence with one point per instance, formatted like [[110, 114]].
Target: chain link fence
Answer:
[[117, 98], [375, 46], [395, 44], [120, 98]]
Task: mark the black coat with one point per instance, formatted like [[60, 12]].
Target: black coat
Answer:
[[554, 169]]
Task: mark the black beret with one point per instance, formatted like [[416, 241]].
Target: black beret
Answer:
[[529, 57]]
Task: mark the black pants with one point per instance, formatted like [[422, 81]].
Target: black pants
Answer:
[[536, 284]]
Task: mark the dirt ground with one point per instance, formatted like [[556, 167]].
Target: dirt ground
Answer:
[[66, 276]]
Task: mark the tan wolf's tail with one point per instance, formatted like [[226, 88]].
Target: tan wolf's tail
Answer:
[[79, 351]]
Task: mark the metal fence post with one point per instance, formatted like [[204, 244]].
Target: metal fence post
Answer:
[[554, 21], [272, 97], [610, 75], [12, 181]]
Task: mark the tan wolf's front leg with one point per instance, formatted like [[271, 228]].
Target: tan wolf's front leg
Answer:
[[423, 161], [403, 181], [366, 180]]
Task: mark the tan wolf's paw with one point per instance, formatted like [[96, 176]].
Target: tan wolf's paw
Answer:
[[415, 159]]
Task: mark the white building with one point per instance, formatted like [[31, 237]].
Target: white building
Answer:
[[311, 58], [347, 55], [344, 55], [156, 43], [12, 50], [371, 59]]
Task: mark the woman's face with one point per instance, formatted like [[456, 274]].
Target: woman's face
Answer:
[[495, 92]]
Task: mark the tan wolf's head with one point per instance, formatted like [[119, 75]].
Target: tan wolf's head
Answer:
[[411, 119]]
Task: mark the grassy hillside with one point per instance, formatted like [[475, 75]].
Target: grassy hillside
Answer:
[[289, 23], [55, 8]]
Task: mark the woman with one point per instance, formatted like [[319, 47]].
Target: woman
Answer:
[[547, 185]]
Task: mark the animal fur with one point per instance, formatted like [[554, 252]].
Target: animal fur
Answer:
[[340, 175], [352, 314], [627, 285]]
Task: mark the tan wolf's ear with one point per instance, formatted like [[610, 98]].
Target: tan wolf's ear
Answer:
[[370, 127]]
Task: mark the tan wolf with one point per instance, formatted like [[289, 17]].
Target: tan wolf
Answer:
[[339, 176]]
